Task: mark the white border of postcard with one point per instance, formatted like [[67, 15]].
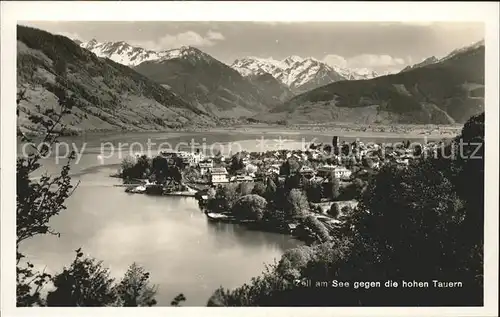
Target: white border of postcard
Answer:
[[407, 12]]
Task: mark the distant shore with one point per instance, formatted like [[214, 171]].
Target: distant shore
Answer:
[[410, 131]]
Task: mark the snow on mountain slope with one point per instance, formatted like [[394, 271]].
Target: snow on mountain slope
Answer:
[[122, 52], [126, 54], [299, 73]]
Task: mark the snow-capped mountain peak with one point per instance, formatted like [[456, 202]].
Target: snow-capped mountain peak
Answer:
[[185, 52], [124, 53], [121, 52], [296, 72], [92, 43], [290, 60]]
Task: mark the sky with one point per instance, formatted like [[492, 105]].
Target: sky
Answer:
[[381, 46]]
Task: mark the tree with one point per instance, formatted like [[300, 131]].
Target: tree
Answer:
[[127, 165], [225, 197], [317, 227], [367, 162], [177, 300], [296, 204], [351, 162], [143, 166], [250, 207], [277, 216], [134, 289], [404, 200], [259, 189], [39, 200], [270, 190], [84, 283], [236, 163], [174, 173], [354, 190], [334, 210], [314, 191], [160, 168], [406, 216], [219, 298], [191, 174], [211, 193], [334, 185], [289, 167], [293, 181], [293, 261], [245, 189], [345, 149]]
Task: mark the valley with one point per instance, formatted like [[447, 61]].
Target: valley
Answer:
[[116, 86]]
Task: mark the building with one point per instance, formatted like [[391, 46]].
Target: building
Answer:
[[188, 158], [341, 172], [242, 178], [205, 166], [170, 156], [306, 171], [325, 170], [198, 157], [273, 171], [218, 175], [251, 169], [403, 162]]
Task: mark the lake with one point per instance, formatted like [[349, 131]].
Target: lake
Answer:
[[169, 236]]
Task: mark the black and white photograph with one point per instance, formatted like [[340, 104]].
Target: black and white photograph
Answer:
[[217, 163]]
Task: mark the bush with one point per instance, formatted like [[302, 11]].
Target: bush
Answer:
[[334, 210], [259, 189], [317, 227], [296, 204], [250, 207]]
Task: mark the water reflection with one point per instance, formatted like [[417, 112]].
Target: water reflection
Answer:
[[169, 236]]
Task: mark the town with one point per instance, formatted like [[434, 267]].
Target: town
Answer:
[[305, 192]]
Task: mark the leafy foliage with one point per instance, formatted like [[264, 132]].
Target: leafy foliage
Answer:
[[334, 187], [101, 89], [436, 93], [245, 189], [414, 223], [39, 200], [259, 189], [84, 283], [296, 204], [134, 289], [251, 207], [318, 228]]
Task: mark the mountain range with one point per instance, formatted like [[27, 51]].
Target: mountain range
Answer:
[[299, 74], [202, 80], [105, 95], [435, 60], [296, 73], [444, 91], [119, 86]]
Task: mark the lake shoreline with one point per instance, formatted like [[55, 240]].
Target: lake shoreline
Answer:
[[410, 131]]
